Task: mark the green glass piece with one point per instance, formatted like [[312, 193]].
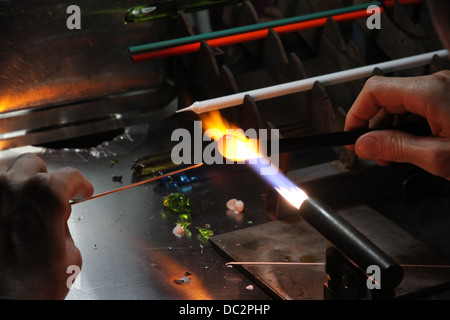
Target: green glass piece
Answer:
[[170, 8], [205, 232], [185, 225], [149, 12], [178, 202], [184, 217]]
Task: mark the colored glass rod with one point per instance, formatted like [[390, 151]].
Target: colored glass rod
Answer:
[[249, 28], [244, 37], [191, 44]]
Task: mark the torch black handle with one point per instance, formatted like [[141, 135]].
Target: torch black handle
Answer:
[[342, 138], [350, 242]]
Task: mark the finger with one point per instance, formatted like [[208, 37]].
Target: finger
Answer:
[[383, 163], [430, 154], [25, 166], [72, 184], [418, 95], [381, 119], [73, 253]]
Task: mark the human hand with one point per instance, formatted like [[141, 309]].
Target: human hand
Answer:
[[36, 246], [426, 96]]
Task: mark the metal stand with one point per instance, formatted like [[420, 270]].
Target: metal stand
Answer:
[[347, 282], [293, 240]]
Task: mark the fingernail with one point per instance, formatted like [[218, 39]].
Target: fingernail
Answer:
[[368, 147]]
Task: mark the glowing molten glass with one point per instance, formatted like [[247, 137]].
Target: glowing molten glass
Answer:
[[234, 145], [237, 148]]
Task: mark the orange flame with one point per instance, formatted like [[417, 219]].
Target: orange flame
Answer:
[[232, 142], [234, 145]]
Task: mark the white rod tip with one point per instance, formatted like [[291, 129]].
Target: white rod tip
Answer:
[[185, 109]]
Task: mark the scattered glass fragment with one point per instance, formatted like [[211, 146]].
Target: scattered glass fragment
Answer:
[[230, 204], [177, 202], [178, 231], [117, 179], [237, 206], [206, 233]]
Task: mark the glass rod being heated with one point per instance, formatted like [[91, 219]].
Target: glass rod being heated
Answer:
[[139, 183]]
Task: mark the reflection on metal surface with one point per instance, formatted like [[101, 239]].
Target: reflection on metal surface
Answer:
[[78, 119], [72, 76], [194, 290]]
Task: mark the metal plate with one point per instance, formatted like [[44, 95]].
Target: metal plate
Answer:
[[293, 240]]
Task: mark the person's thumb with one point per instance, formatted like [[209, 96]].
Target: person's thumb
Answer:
[[430, 154]]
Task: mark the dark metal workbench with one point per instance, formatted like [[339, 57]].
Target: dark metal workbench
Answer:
[[126, 240], [65, 84]]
